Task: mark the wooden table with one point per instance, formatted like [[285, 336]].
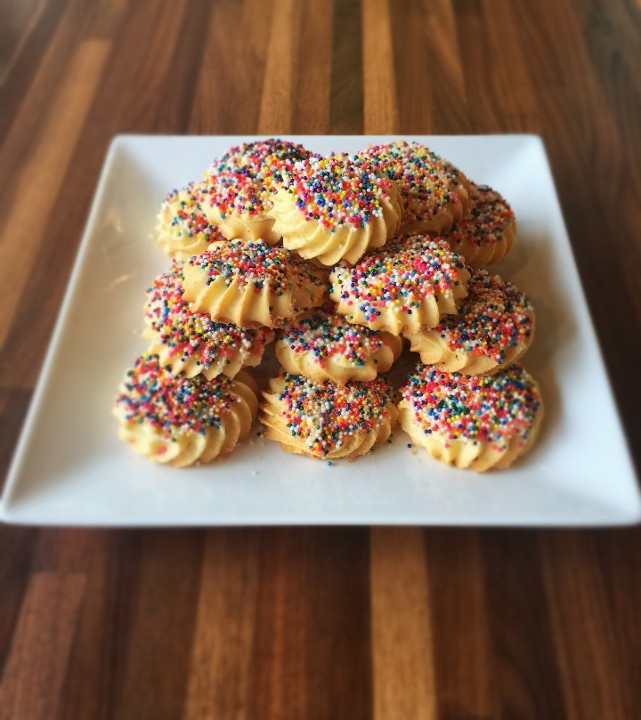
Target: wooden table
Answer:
[[317, 622]]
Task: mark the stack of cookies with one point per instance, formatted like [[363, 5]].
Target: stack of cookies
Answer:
[[341, 260]]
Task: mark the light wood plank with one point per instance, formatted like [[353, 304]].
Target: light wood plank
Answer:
[[275, 116], [224, 632], [402, 642], [379, 82], [27, 217], [312, 88]]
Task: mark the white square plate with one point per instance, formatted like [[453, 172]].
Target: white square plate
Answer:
[[70, 468]]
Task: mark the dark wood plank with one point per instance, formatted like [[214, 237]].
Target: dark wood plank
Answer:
[[526, 665], [111, 563], [346, 98], [616, 552], [153, 673], [221, 655], [181, 80], [411, 65], [465, 669], [35, 671], [27, 34], [311, 653], [231, 72], [583, 629]]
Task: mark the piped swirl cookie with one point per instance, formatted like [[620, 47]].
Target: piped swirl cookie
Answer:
[[472, 422], [251, 283], [493, 327], [237, 189], [433, 191], [328, 421], [179, 421], [408, 285], [330, 208], [324, 346], [183, 229], [191, 342], [487, 233]]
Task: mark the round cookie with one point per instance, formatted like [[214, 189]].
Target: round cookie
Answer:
[[236, 193], [191, 342], [183, 229], [408, 285], [493, 327], [330, 208], [487, 233], [251, 283], [179, 421], [328, 421], [324, 346], [472, 422], [433, 191]]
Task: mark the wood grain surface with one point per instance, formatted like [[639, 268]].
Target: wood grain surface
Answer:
[[386, 623]]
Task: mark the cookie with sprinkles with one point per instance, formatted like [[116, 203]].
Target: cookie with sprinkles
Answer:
[[237, 190], [252, 283], [191, 342], [407, 285], [474, 422], [433, 191], [488, 231], [493, 327], [326, 420], [183, 229], [324, 346], [179, 421], [332, 208]]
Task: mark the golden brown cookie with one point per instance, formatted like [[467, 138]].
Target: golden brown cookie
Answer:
[[237, 190], [179, 421], [330, 208], [252, 283], [183, 230], [493, 327], [324, 346], [328, 421], [191, 342], [487, 233], [407, 285], [434, 192], [472, 422]]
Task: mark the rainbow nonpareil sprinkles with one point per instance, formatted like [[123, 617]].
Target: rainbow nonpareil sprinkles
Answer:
[[187, 219], [190, 334], [336, 191], [494, 316], [487, 220], [255, 264], [324, 415], [399, 277], [327, 335], [242, 180], [174, 405], [425, 181], [492, 409]]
